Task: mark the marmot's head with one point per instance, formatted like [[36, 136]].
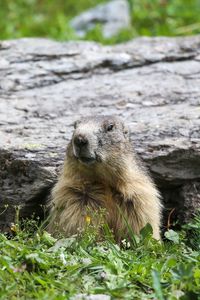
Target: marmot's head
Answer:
[[99, 139]]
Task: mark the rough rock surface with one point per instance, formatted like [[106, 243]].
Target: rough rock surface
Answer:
[[152, 83], [114, 16]]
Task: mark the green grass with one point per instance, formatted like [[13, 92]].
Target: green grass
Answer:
[[48, 18], [37, 266]]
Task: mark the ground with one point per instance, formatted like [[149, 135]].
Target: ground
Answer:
[[34, 265]]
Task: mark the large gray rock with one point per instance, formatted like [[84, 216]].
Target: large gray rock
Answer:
[[152, 83], [114, 16]]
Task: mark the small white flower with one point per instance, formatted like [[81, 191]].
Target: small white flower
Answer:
[[124, 242]]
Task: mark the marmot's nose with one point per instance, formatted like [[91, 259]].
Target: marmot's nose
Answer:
[[80, 140]]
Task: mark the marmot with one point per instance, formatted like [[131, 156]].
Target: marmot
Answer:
[[101, 170]]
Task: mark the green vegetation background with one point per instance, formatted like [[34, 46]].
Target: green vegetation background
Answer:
[[48, 18]]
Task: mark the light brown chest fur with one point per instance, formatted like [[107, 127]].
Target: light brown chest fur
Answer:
[[74, 202]]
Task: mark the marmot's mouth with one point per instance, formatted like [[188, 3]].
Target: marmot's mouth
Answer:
[[86, 160]]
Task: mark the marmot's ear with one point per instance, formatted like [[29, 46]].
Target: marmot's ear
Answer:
[[76, 123], [125, 130]]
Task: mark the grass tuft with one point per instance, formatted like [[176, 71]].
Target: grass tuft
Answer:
[[34, 265]]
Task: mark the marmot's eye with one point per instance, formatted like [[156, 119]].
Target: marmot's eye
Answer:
[[110, 127]]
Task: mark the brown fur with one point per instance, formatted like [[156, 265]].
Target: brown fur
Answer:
[[120, 184]]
